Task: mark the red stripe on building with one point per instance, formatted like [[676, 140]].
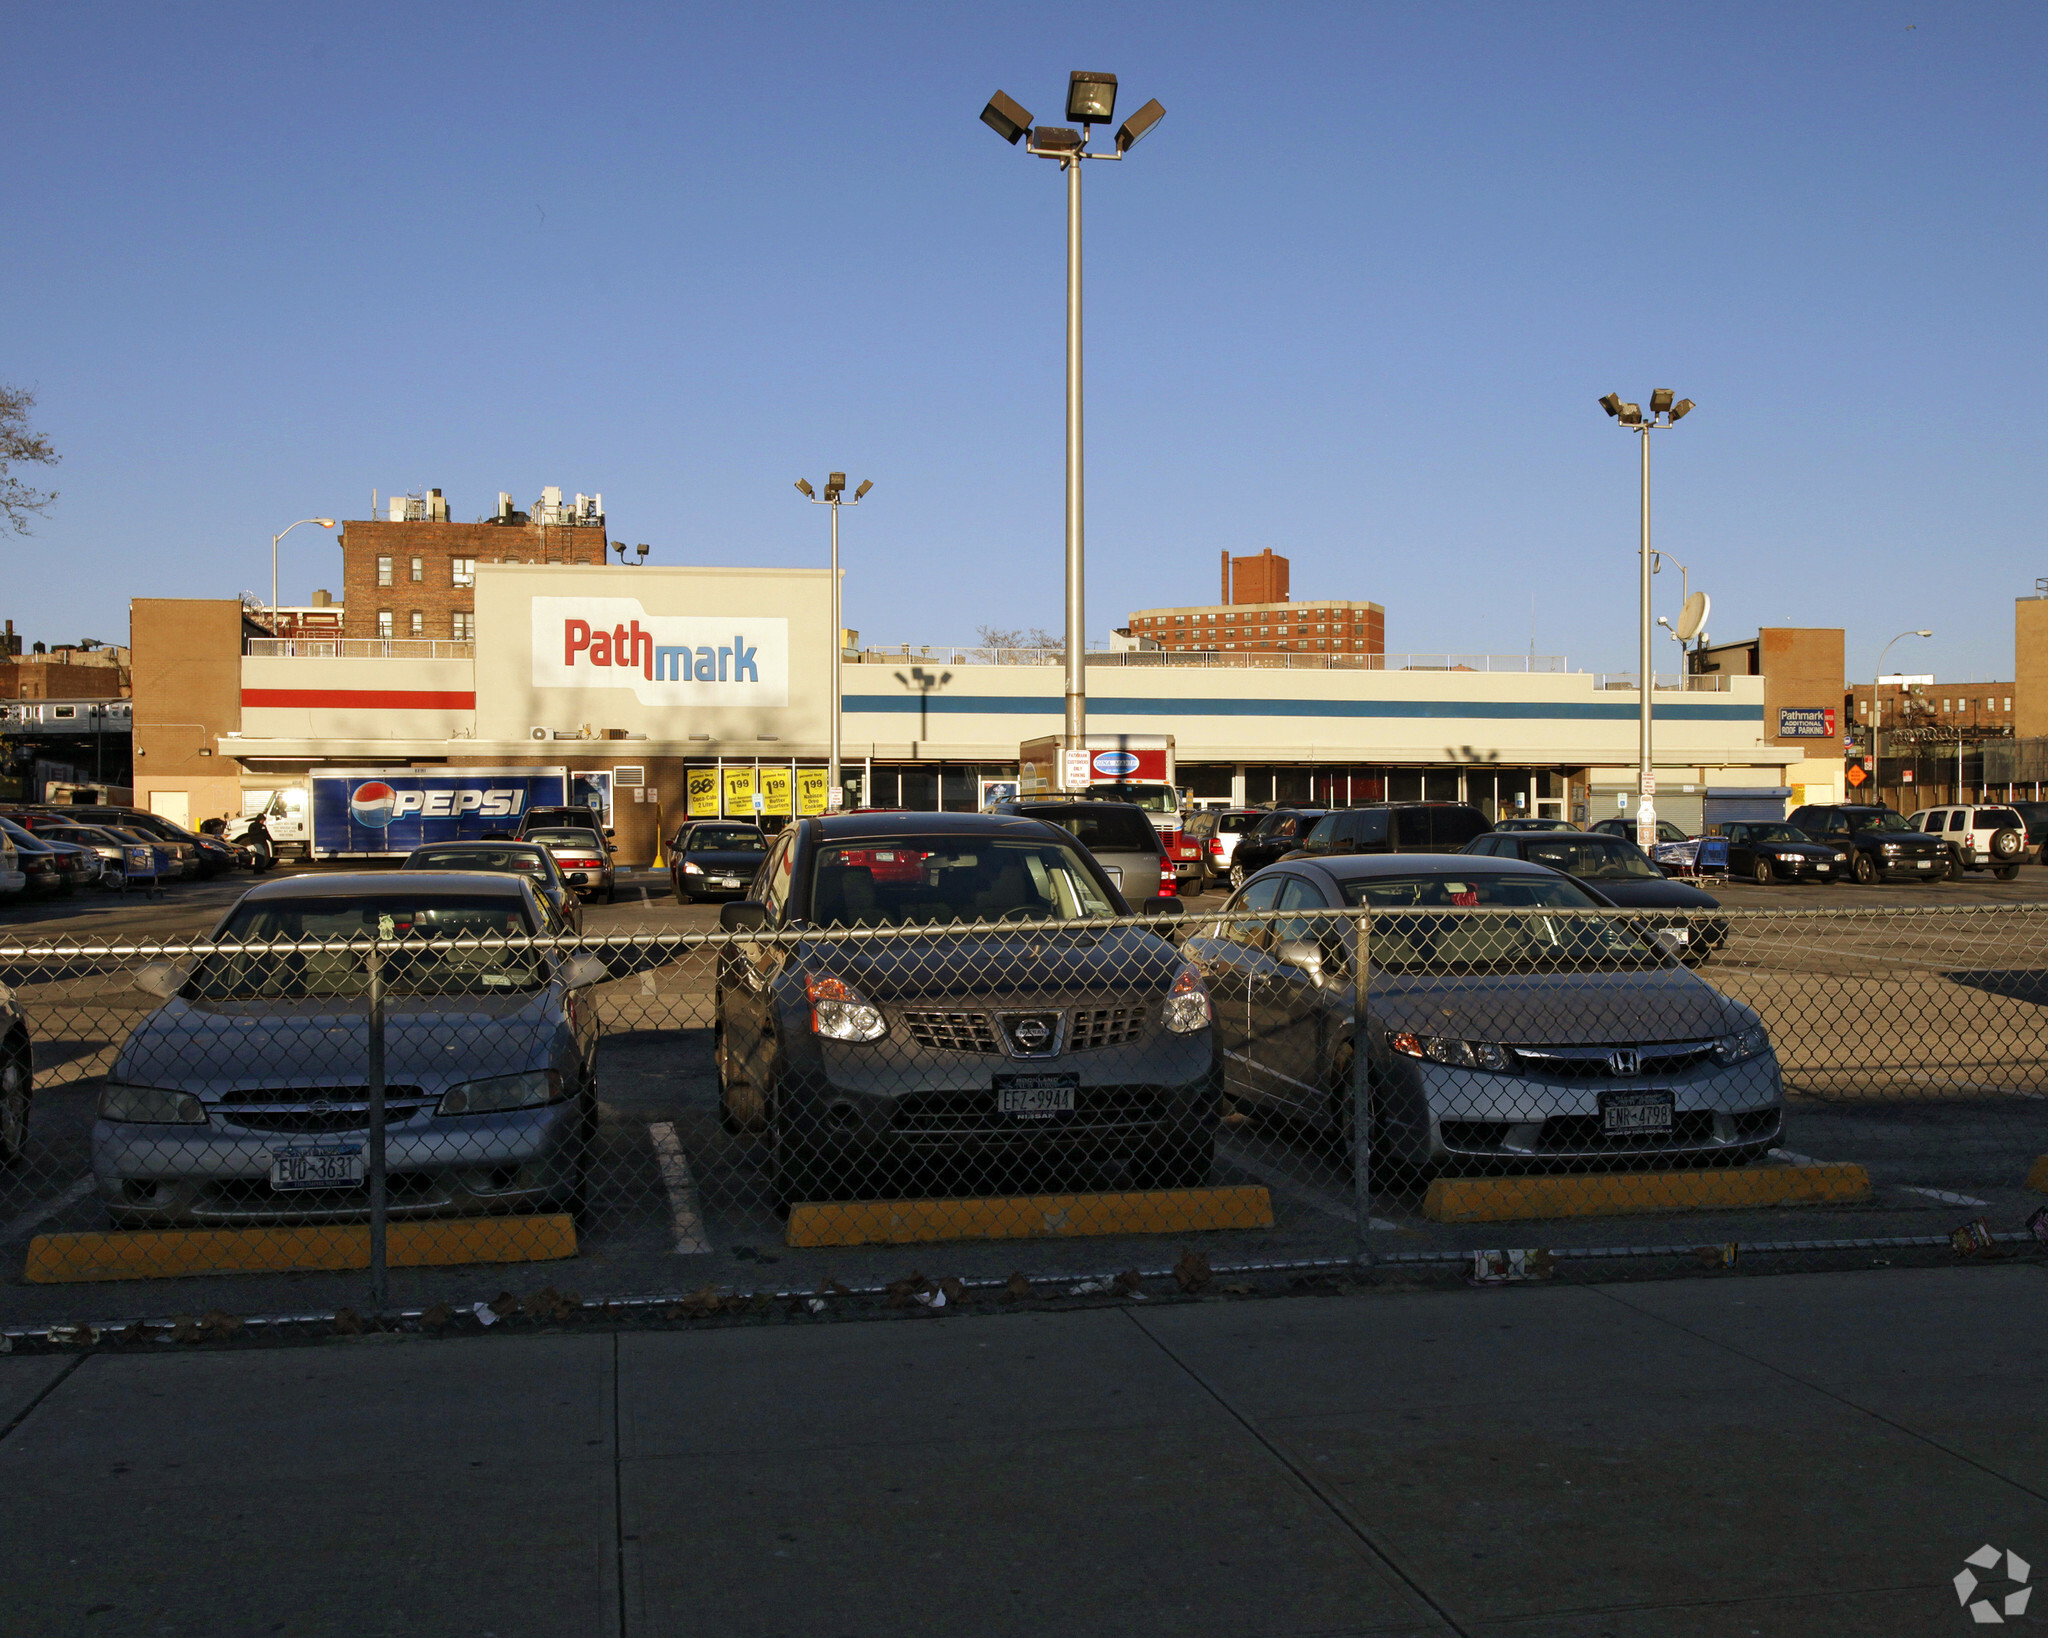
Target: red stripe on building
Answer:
[[392, 699]]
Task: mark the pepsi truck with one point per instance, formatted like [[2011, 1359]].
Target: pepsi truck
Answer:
[[364, 813], [1134, 768]]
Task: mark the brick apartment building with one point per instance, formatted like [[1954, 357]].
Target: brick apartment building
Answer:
[[1981, 710], [1258, 616], [413, 575]]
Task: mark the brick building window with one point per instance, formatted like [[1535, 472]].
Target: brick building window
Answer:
[[464, 570], [384, 618], [464, 626], [383, 571], [419, 624], [419, 569]]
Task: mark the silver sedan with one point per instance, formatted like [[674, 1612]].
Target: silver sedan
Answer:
[[244, 1098]]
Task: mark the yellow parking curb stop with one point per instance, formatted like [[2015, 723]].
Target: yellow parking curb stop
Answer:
[[2037, 1178], [1625, 1194], [1027, 1217], [158, 1254]]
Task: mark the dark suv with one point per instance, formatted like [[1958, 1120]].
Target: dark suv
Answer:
[[1394, 827], [1880, 842], [1280, 832]]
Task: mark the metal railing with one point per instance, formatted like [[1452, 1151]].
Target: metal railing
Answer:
[[1212, 659], [358, 648]]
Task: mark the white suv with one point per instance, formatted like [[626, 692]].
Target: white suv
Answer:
[[1985, 838]]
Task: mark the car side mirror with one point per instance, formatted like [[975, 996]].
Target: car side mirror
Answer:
[[161, 979], [1306, 954], [582, 970], [743, 916]]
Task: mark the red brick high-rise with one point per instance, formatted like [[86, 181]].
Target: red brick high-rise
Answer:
[[1257, 616]]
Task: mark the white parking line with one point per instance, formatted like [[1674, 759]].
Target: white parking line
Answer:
[[49, 1208], [1944, 1196], [1274, 1178], [682, 1189]]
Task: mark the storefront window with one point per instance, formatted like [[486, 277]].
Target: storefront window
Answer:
[[920, 789]]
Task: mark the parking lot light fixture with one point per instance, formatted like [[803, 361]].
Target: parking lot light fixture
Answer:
[[835, 497], [324, 523], [1872, 724], [1663, 412], [1091, 101]]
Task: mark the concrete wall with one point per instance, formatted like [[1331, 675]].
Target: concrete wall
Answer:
[[357, 699], [188, 693], [2030, 668]]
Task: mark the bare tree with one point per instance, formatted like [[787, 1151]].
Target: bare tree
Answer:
[[996, 640], [20, 443]]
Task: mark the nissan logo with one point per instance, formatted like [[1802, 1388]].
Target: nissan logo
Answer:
[[1031, 1033], [1625, 1061]]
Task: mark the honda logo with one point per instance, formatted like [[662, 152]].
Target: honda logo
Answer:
[[1625, 1061]]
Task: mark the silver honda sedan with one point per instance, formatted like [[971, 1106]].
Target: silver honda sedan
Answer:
[[244, 1098]]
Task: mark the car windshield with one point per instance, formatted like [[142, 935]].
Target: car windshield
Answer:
[[1591, 858], [1883, 820], [288, 974], [737, 839], [1774, 833], [918, 881], [523, 861], [1424, 932], [564, 837]]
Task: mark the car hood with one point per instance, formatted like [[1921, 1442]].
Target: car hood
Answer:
[[742, 863], [211, 1047], [1648, 895], [1001, 968], [1816, 850], [1557, 1009], [1917, 841]]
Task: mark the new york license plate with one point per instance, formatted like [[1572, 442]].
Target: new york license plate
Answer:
[[323, 1166], [1632, 1112], [1036, 1097]]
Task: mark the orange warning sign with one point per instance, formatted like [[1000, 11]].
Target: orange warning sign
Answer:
[[1855, 775]]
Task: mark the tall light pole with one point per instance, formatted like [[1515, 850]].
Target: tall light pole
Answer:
[[834, 497], [1091, 101], [1663, 413], [1879, 672], [325, 523]]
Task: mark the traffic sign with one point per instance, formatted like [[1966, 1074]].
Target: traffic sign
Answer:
[[1856, 775]]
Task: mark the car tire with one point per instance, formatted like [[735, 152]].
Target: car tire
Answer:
[[17, 1092], [728, 1081], [2007, 846], [1761, 872], [611, 893], [1236, 877], [1958, 867], [1865, 870], [681, 896]]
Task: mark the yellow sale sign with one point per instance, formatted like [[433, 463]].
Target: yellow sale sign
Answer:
[[739, 793], [703, 793], [810, 791], [775, 788]]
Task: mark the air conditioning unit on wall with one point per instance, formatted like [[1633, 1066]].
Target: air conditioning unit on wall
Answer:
[[537, 733]]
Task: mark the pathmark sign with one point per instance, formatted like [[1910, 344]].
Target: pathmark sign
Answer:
[[666, 659]]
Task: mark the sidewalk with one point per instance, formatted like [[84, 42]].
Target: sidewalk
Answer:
[[1810, 1455]]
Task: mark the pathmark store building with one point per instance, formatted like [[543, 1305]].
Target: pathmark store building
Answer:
[[705, 692]]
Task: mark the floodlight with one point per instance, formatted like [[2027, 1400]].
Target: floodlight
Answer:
[[1138, 124], [1631, 415], [1611, 403], [836, 480], [1055, 139], [1681, 409], [865, 485], [1660, 400], [1006, 118], [325, 523], [809, 492], [642, 550], [1091, 98], [619, 546]]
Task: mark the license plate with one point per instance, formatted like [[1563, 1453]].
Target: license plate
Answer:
[[336, 1167], [725, 881], [1036, 1097], [1820, 870], [1923, 864], [1626, 1112]]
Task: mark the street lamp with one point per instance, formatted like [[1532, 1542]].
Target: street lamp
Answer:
[[325, 523], [1879, 672], [834, 497], [1091, 101], [1663, 413]]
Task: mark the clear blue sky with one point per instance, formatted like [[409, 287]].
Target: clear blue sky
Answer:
[[1353, 300]]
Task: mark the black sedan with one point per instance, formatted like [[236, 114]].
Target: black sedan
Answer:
[[1768, 853], [993, 1028], [714, 858], [1620, 873]]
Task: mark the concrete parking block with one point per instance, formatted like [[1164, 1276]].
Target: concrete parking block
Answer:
[[154, 1254], [1627, 1194], [1029, 1217], [1173, 1531]]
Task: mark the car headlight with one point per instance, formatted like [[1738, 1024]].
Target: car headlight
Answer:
[[839, 1013], [1891, 847], [150, 1106], [1445, 1049], [692, 870], [1742, 1046], [1841, 858], [502, 1092], [1187, 1003], [1788, 858]]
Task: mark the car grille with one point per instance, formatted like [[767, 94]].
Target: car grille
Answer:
[[1596, 1062], [292, 1109], [961, 1114], [1089, 1029]]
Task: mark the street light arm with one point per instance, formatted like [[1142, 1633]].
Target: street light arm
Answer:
[[325, 523]]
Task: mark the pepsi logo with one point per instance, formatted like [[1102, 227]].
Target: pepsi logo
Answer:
[[372, 805]]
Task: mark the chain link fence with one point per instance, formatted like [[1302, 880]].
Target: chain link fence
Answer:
[[429, 1112]]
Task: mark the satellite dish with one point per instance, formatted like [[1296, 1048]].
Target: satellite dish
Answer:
[[1693, 615]]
